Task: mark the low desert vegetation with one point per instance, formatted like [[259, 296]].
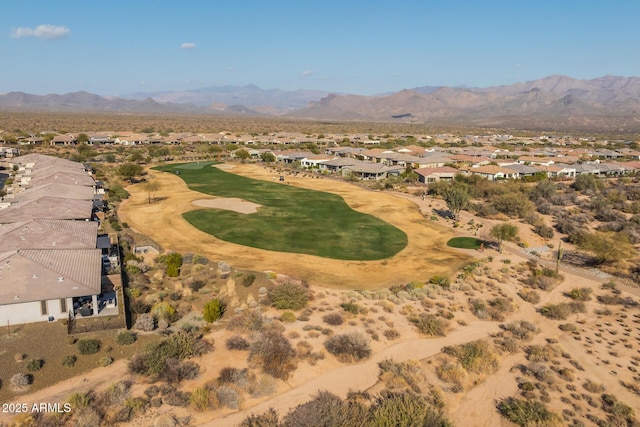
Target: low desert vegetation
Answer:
[[349, 347], [289, 296]]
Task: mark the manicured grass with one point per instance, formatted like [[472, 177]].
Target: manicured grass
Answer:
[[290, 219], [465, 243]]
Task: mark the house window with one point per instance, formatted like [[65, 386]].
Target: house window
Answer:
[[63, 305], [43, 308]]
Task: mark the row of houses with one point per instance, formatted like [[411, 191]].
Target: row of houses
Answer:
[[53, 261], [434, 164]]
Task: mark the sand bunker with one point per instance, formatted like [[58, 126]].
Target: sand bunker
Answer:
[[230, 204]]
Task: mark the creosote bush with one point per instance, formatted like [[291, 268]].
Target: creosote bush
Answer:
[[69, 361], [89, 346], [274, 352], [429, 324], [236, 342], [125, 338], [289, 296], [34, 365], [349, 347], [333, 319], [527, 413]]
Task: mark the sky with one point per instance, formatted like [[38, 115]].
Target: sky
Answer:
[[115, 47]]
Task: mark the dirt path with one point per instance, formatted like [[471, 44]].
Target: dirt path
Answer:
[[425, 255], [361, 376]]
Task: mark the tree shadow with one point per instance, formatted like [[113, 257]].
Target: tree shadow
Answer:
[[443, 213]]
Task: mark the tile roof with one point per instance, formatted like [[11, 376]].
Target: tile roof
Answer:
[[35, 275], [48, 234], [47, 207]]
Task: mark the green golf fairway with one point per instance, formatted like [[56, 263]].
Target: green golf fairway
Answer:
[[290, 219]]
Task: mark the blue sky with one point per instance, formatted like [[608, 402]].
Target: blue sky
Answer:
[[363, 47]]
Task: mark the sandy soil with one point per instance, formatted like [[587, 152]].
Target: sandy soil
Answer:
[[425, 255], [229, 204]]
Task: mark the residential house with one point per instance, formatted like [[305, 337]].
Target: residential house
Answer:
[[491, 172], [430, 175]]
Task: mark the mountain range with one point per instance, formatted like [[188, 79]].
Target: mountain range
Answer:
[[554, 102]]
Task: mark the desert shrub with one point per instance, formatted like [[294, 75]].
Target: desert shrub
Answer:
[[247, 321], [89, 346], [520, 330], [69, 360], [162, 359], [349, 347], [529, 295], [200, 399], [269, 418], [79, 399], [350, 307], [105, 361], [289, 296], [568, 327], [391, 334], [177, 398], [20, 381], [88, 417], [229, 396], [34, 365], [405, 409], [137, 305], [275, 354], [236, 342], [145, 322], [163, 310], [213, 310], [196, 285], [429, 324], [579, 294], [527, 413], [619, 413], [541, 353], [325, 409], [543, 231], [562, 310], [248, 279], [333, 319], [173, 262], [542, 278], [401, 375], [592, 387], [125, 338], [443, 281], [451, 372], [475, 356], [288, 317], [241, 378], [263, 386], [493, 309]]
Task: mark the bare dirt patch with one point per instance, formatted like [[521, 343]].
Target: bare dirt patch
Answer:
[[229, 204]]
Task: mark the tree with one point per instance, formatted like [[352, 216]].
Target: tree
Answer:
[[151, 187], [242, 154], [608, 247], [268, 157], [503, 231], [129, 171], [457, 198]]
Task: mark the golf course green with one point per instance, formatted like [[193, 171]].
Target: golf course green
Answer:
[[290, 219]]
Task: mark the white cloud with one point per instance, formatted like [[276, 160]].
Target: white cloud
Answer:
[[45, 32], [188, 46], [307, 73]]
